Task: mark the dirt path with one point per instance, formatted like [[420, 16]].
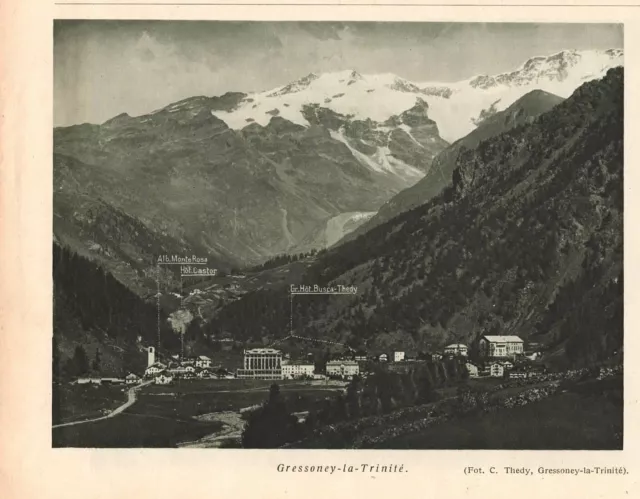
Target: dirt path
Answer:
[[131, 399]]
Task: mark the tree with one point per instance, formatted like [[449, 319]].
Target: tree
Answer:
[[272, 425], [79, 362], [133, 361], [353, 397], [95, 365]]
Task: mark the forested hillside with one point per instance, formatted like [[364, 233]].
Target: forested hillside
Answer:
[[439, 176], [96, 313], [527, 240]]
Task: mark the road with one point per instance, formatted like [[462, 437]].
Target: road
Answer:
[[131, 399]]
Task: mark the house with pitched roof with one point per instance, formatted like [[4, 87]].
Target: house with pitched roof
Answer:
[[155, 368], [203, 361]]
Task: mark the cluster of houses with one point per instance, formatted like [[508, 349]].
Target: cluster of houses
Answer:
[[504, 369], [489, 346], [100, 381], [268, 363], [259, 363], [497, 356], [182, 368]]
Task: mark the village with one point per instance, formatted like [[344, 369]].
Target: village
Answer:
[[493, 357]]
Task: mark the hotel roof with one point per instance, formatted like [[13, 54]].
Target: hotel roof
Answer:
[[506, 339], [262, 350]]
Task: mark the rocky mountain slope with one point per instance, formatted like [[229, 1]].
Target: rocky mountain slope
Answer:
[[456, 107], [527, 240], [240, 178], [188, 182], [439, 176]]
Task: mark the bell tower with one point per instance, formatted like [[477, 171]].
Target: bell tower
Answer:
[[151, 356]]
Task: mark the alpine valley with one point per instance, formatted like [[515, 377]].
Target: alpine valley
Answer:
[[526, 240], [489, 204], [245, 177]]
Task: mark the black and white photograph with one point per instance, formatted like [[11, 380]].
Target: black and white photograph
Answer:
[[337, 235]]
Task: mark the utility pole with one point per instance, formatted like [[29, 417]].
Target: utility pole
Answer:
[[158, 304], [183, 327]]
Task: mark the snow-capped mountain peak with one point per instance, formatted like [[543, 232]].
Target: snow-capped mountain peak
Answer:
[[556, 67], [456, 107]]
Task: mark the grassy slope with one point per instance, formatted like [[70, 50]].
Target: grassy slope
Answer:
[[164, 415], [582, 418], [132, 430], [76, 402]]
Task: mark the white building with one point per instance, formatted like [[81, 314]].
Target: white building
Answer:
[[383, 357], [297, 369], [456, 349], [203, 361], [261, 363], [500, 346], [154, 369], [496, 370], [506, 364], [93, 381], [131, 379], [163, 379], [398, 356], [151, 356], [472, 369], [343, 368]]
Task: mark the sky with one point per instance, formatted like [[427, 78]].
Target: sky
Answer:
[[104, 68]]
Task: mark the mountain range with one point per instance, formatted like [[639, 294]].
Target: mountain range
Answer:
[[457, 108], [244, 177], [527, 240], [439, 176]]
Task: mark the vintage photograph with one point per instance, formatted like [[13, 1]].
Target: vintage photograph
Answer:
[[337, 235]]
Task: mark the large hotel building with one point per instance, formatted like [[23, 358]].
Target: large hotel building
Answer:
[[261, 363]]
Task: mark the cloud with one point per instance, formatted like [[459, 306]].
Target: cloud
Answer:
[[324, 30], [103, 68]]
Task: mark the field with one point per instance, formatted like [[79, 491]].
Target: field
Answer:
[[583, 417], [194, 398], [165, 416], [132, 430], [75, 402]]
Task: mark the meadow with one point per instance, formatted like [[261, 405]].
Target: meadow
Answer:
[[164, 416], [584, 416], [76, 402]]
